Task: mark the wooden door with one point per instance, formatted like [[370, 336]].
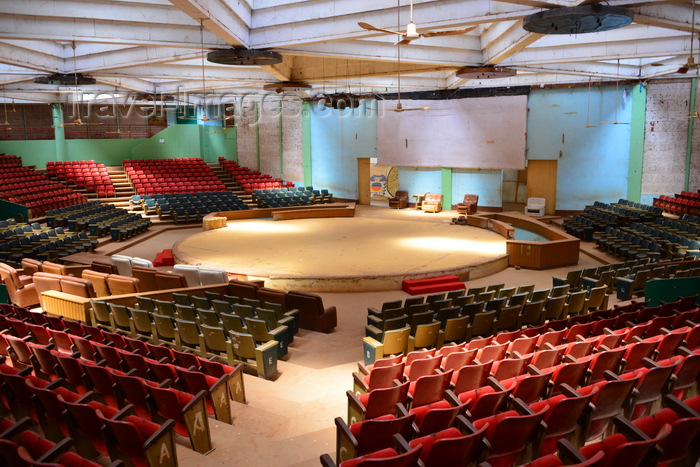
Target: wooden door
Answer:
[[363, 189], [542, 182]]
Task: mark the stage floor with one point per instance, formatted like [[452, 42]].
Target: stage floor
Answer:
[[345, 254]]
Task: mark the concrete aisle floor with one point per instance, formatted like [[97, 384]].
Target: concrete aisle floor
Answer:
[[289, 421]]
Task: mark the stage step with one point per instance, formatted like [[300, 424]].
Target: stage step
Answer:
[[432, 285]]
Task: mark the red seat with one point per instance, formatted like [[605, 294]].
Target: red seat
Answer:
[[429, 388], [470, 377], [379, 377], [561, 418], [376, 403], [678, 446], [608, 399], [509, 434], [369, 436], [450, 447], [385, 458]]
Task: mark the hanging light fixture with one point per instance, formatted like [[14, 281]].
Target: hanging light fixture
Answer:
[[578, 19]]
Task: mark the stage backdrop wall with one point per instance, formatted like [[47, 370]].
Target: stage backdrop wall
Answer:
[[474, 133]]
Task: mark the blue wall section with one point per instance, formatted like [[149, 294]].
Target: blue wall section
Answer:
[[593, 162], [338, 139], [486, 183], [420, 180]]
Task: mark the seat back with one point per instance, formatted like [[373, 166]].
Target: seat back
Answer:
[[147, 277], [77, 286], [123, 264], [98, 280], [119, 284]]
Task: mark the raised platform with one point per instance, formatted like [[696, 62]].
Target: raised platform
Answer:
[[343, 254]]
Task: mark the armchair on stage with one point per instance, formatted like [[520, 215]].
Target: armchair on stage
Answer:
[[432, 202], [469, 205], [400, 200]]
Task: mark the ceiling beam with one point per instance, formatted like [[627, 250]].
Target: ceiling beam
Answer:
[[230, 21], [29, 59]]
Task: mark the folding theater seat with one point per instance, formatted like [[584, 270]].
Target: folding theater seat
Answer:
[[428, 389], [561, 419], [369, 436], [511, 433], [376, 403], [482, 402], [384, 458], [379, 377], [451, 446]]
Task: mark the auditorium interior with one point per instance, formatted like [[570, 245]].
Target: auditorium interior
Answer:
[[294, 233]]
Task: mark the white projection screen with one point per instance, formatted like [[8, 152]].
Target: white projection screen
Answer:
[[473, 133]]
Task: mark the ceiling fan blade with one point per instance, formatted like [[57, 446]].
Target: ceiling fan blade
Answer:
[[615, 122], [403, 109], [451, 32], [405, 41], [683, 70], [369, 27]]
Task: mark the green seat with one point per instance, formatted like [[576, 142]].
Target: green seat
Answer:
[[495, 287], [200, 302], [574, 305], [264, 355], [393, 342], [99, 314], [531, 314], [212, 295], [221, 306], [554, 309], [143, 324], [272, 321], [425, 336], [519, 299], [455, 294], [254, 302], [163, 330], [476, 291], [232, 299], [487, 296], [378, 329], [244, 311], [482, 324], [559, 290], [541, 294], [145, 303], [181, 298], [166, 308], [121, 319], [506, 292], [208, 317], [597, 299], [282, 315], [188, 335], [261, 333], [186, 312], [232, 322], [529, 288], [217, 344], [455, 330]]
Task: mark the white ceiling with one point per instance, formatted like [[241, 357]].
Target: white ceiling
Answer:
[[155, 45]]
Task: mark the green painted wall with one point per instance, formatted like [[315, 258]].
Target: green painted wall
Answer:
[[205, 141], [38, 152], [637, 124]]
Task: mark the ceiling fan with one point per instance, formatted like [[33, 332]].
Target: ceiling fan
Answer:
[[617, 88], [77, 121], [399, 106], [690, 64], [412, 33]]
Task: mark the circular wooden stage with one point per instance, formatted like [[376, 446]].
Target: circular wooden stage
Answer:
[[345, 254]]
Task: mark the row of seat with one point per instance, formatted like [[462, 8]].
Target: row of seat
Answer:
[[88, 175], [594, 427], [678, 204], [250, 180], [646, 241], [183, 175], [398, 340], [8, 161], [302, 196], [27, 186], [650, 385], [195, 395], [207, 340]]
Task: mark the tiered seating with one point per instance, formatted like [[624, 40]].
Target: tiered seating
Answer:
[[238, 330], [250, 180], [88, 175], [36, 191], [575, 376], [10, 160], [192, 207], [202, 388], [186, 175], [688, 202], [663, 238], [600, 216], [42, 243]]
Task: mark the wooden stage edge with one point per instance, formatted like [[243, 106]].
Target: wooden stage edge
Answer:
[[217, 220]]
